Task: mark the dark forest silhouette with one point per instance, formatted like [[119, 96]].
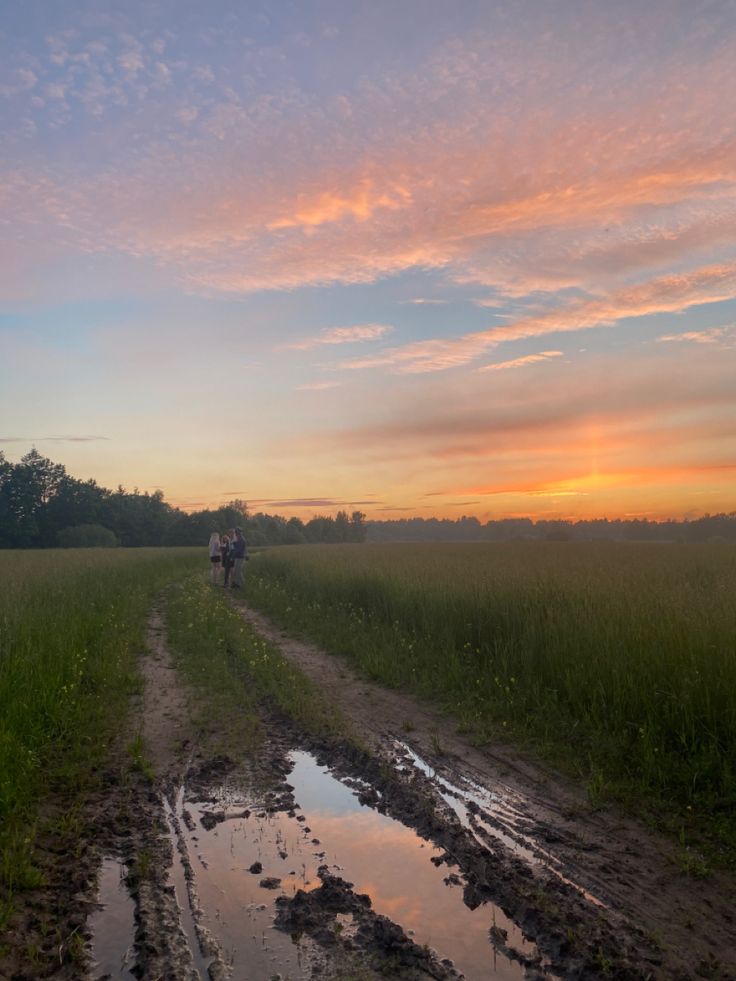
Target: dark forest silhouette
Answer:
[[42, 506]]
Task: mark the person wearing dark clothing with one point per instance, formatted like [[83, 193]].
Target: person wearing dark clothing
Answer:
[[239, 553], [227, 558]]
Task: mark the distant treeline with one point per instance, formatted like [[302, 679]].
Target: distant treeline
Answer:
[[42, 506], [716, 527]]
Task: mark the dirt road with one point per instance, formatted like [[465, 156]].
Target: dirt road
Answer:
[[401, 850]]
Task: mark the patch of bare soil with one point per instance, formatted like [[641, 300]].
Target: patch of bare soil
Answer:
[[651, 920]]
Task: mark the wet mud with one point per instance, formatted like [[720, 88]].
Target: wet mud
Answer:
[[322, 856], [339, 861]]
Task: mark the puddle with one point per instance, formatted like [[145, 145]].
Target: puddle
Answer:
[[202, 946], [112, 925], [380, 856], [223, 903], [490, 815], [394, 866]]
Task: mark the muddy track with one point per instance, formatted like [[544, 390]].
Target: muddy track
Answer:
[[685, 924], [405, 852]]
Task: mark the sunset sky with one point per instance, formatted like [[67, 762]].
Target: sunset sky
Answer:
[[408, 257]]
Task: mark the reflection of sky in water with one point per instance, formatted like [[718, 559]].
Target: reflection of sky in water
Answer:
[[392, 864], [379, 855], [315, 790], [230, 896], [112, 926]]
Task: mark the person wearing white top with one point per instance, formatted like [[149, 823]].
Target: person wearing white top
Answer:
[[215, 556]]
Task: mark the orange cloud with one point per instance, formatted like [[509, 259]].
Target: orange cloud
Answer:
[[429, 188], [714, 335], [329, 206], [339, 335], [585, 483], [521, 362], [318, 386]]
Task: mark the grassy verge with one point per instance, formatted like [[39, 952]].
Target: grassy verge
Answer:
[[219, 654], [616, 661], [71, 627]]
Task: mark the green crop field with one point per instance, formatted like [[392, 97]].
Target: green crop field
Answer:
[[617, 661], [71, 628]]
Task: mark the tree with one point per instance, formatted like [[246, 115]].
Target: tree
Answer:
[[28, 489], [87, 536], [358, 527]]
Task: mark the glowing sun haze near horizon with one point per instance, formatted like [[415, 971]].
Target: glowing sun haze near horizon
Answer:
[[413, 259]]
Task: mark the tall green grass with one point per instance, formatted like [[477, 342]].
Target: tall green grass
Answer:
[[71, 627], [617, 659], [239, 673]]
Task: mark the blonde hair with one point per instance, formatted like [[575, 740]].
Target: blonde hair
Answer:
[[214, 537]]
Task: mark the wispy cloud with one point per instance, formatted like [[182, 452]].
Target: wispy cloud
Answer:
[[422, 301], [666, 294], [318, 386], [52, 439], [405, 173], [308, 502], [713, 335], [521, 362], [327, 206], [339, 335]]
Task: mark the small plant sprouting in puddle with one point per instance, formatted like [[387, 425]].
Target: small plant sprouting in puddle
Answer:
[[74, 946], [139, 762], [142, 865], [437, 748]]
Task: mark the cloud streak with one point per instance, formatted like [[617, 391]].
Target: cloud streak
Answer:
[[358, 333], [52, 439], [521, 362], [666, 294]]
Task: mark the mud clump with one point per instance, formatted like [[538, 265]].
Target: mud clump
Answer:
[[383, 942]]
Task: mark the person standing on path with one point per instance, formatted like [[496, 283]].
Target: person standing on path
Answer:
[[227, 556], [215, 556], [240, 555]]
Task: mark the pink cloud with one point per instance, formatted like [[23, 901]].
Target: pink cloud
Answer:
[[339, 335], [521, 362], [713, 335], [519, 180], [318, 386]]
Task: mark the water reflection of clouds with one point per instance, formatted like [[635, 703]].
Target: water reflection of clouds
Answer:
[[378, 855], [387, 861]]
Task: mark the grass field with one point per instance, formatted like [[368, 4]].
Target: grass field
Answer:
[[218, 654], [71, 627], [616, 660]]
